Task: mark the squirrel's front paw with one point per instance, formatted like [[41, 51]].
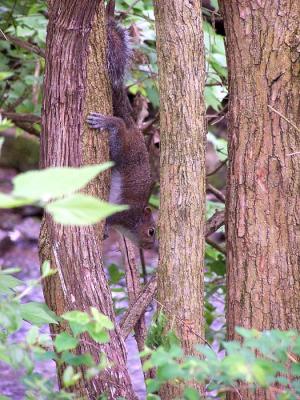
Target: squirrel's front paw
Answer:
[[96, 121]]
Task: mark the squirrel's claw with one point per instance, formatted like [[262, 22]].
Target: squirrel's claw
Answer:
[[95, 120]]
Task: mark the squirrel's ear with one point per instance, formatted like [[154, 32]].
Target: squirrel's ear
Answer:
[[147, 211]]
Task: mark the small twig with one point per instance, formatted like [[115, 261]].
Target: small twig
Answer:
[[129, 9], [143, 264], [11, 107], [134, 289], [216, 246], [18, 117], [171, 313], [138, 307], [293, 154], [285, 118], [222, 163], [137, 82], [23, 44], [27, 127], [3, 34], [146, 296], [219, 195], [36, 85], [11, 133], [214, 223]]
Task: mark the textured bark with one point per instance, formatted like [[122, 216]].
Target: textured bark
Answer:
[[263, 219], [75, 59], [182, 170]]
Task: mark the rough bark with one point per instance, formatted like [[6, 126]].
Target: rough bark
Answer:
[[75, 59], [182, 170], [263, 220]]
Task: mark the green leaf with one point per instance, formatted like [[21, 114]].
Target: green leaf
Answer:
[[51, 183], [69, 376], [81, 318], [8, 282], [32, 335], [37, 313], [7, 201], [100, 336], [64, 342], [115, 275], [81, 209], [76, 361], [153, 385], [102, 320], [4, 75], [191, 394], [47, 270]]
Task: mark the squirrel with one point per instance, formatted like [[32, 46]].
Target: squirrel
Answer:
[[131, 178]]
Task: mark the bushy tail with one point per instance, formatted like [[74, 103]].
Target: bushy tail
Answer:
[[118, 57]]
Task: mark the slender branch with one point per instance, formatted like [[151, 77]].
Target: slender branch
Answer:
[[187, 326], [222, 163], [285, 118], [214, 223], [143, 264], [11, 133], [28, 128], [134, 289], [145, 297], [216, 246], [129, 9], [219, 195], [23, 44], [11, 107], [18, 117]]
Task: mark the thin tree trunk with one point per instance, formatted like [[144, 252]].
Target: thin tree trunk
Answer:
[[263, 219], [182, 164], [75, 57]]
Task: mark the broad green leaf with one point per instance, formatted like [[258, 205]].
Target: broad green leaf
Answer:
[[81, 318], [47, 270], [7, 201], [100, 336], [32, 335], [81, 209], [70, 377], [51, 183], [8, 282], [102, 320], [4, 75], [153, 385], [115, 275], [64, 342], [37, 313], [74, 360], [260, 375], [191, 394]]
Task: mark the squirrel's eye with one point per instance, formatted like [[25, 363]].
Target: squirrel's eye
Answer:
[[151, 232]]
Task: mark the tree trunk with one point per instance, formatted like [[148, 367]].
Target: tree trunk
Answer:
[[263, 242], [75, 59], [180, 53]]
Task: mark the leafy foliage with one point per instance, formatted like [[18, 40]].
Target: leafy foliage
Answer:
[[42, 187], [37, 346], [269, 360]]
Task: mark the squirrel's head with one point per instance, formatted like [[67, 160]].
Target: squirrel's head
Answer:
[[146, 230]]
